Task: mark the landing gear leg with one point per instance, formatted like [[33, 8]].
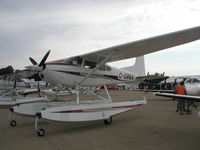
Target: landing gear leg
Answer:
[[40, 132], [77, 95], [13, 123], [108, 95]]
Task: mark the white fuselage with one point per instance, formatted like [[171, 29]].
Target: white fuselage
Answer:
[[193, 89], [192, 86], [71, 75]]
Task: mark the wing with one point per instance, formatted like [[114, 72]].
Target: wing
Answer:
[[160, 91], [145, 46], [176, 96]]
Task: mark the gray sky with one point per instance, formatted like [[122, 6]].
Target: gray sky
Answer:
[[68, 28]]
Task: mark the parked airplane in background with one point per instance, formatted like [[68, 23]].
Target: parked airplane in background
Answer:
[[48, 92], [90, 69], [23, 83], [11, 84], [34, 84], [192, 87]]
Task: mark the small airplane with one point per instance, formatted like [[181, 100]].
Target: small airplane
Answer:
[[91, 69], [192, 87], [6, 101], [15, 79], [10, 86]]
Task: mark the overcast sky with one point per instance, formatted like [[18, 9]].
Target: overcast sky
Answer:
[[68, 28]]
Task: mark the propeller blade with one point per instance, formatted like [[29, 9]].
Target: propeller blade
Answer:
[[44, 59], [32, 61]]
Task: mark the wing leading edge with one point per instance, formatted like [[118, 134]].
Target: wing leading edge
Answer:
[[144, 46], [183, 97]]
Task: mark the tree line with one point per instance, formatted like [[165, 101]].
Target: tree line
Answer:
[[7, 70]]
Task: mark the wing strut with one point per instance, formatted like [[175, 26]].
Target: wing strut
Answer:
[[109, 98], [98, 66]]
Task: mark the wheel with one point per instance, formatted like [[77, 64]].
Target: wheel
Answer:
[[108, 121], [13, 123], [41, 132]]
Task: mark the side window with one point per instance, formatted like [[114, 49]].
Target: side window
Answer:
[[89, 64], [105, 68], [77, 61], [102, 68]]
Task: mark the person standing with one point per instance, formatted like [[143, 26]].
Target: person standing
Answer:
[[181, 103]]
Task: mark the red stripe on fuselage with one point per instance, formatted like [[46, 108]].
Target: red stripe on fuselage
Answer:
[[79, 74], [97, 109], [70, 72], [61, 63], [69, 111]]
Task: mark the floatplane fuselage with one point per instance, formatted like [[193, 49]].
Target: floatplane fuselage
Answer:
[[70, 75]]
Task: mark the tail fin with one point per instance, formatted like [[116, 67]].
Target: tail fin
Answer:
[[138, 67]]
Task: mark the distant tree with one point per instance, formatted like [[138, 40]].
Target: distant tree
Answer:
[[6, 70], [157, 74]]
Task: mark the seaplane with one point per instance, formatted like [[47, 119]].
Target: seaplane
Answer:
[[90, 70]]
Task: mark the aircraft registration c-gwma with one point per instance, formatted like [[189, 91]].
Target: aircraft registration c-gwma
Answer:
[[91, 69]]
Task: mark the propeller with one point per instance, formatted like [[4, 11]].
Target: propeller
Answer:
[[38, 67], [44, 59], [41, 66]]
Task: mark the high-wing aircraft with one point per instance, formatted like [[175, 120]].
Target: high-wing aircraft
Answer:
[[91, 69]]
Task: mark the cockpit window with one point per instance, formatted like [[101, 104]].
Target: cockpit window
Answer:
[[195, 80], [188, 81], [77, 61]]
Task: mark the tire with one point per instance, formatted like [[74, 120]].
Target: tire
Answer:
[[13, 123], [41, 132], [108, 121], [141, 86]]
